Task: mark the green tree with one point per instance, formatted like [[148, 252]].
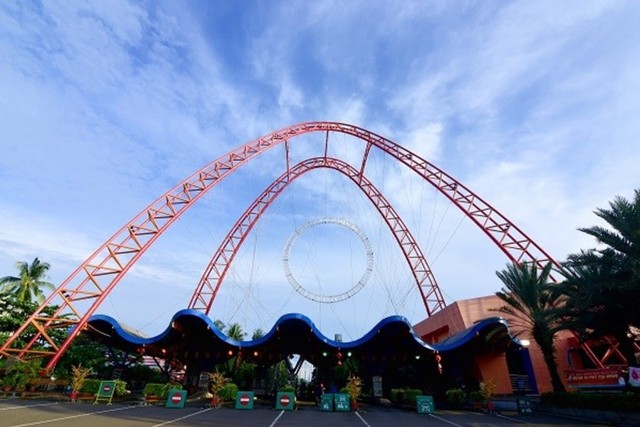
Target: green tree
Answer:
[[258, 333], [27, 287], [14, 313], [219, 324], [531, 304], [235, 331], [603, 285]]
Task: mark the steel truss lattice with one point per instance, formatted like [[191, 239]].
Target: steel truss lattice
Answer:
[[80, 294]]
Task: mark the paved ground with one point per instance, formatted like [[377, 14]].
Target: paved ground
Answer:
[[15, 412]]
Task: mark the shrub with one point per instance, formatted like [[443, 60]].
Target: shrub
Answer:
[[121, 388], [229, 391], [476, 396], [90, 385], [397, 395], [404, 396], [455, 397], [287, 389], [410, 396], [153, 389]]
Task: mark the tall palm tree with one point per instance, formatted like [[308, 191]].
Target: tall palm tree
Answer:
[[597, 304], [623, 237], [28, 286], [530, 303], [235, 331], [603, 288]]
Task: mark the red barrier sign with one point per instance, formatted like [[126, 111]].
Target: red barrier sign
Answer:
[[244, 400], [176, 398], [284, 400]]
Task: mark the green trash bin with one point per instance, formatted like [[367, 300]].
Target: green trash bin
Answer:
[[326, 402], [244, 400], [342, 402], [424, 404]]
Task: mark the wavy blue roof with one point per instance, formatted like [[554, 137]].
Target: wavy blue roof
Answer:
[[190, 332]]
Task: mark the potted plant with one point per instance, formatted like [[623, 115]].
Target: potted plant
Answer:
[[78, 377], [8, 382], [354, 388], [217, 381], [228, 392], [477, 400], [153, 392], [157, 392], [89, 389], [488, 389], [18, 373]]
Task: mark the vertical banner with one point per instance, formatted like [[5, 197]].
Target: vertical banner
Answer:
[[634, 376], [377, 386]]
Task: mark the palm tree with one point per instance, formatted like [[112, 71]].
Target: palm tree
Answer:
[[624, 236], [603, 287], [530, 303], [597, 304], [235, 331], [28, 286]]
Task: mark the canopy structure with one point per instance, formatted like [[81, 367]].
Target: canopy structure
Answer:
[[192, 338]]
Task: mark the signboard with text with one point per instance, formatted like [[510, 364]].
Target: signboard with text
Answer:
[[605, 377]]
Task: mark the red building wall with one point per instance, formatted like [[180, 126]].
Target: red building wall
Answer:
[[463, 314]]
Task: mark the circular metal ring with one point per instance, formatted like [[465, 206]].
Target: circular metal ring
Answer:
[[328, 298]]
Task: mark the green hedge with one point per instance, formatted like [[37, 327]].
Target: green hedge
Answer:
[[159, 389], [404, 396], [90, 385], [456, 397], [229, 392], [598, 401]]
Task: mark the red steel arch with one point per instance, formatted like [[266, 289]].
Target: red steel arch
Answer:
[[217, 268], [85, 289]]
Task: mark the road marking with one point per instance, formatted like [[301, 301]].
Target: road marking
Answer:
[[277, 418], [446, 421], [182, 418], [362, 419], [509, 418], [73, 416], [29, 406]]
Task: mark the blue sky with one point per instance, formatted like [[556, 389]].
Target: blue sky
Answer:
[[106, 105]]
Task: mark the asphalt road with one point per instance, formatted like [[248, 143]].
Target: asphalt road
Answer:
[[16, 412]]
